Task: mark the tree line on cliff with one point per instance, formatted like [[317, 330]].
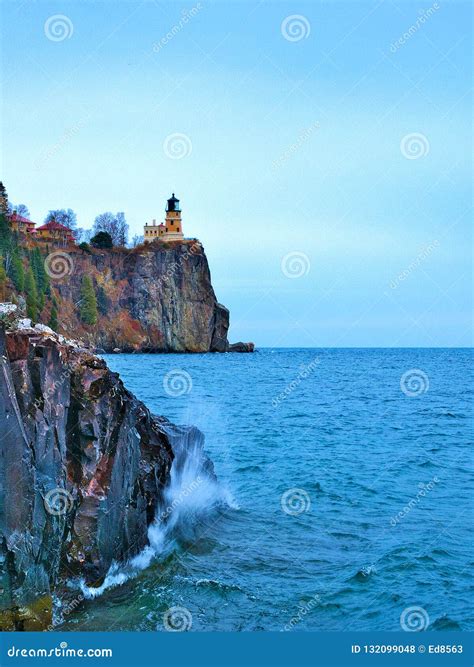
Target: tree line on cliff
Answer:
[[112, 224], [25, 281]]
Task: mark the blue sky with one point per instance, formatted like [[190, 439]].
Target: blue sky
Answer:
[[319, 145]]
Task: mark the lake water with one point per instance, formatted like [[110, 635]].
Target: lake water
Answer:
[[344, 497]]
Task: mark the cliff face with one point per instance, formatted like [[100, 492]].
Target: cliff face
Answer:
[[83, 466], [157, 297]]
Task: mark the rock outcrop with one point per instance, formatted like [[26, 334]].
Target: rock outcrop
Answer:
[[83, 467], [154, 298], [241, 347]]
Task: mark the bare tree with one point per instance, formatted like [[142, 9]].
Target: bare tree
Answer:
[[65, 217], [122, 228], [115, 225], [85, 235], [21, 209]]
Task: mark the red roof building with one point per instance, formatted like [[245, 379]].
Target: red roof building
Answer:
[[21, 224], [54, 232]]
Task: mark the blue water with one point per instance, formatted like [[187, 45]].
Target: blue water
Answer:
[[378, 507]]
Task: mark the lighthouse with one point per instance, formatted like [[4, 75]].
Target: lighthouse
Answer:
[[171, 229]]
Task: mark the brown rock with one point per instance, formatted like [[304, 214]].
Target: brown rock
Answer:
[[83, 468]]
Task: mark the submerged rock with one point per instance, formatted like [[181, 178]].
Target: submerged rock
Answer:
[[84, 465]]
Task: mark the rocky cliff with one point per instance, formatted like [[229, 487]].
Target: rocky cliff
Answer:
[[155, 298], [83, 467]]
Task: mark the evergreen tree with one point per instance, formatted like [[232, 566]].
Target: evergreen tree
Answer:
[[5, 235], [41, 277], [53, 318], [3, 200], [88, 304], [3, 280], [102, 301], [17, 273], [41, 301], [31, 295], [102, 240]]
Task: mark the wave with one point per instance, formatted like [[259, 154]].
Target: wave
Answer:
[[192, 493], [364, 574]]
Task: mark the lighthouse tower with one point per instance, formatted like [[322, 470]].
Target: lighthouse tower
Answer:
[[173, 226], [171, 230]]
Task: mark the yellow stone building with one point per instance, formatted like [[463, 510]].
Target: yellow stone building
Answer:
[[171, 230]]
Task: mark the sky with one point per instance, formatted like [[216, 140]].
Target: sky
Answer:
[[321, 151]]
